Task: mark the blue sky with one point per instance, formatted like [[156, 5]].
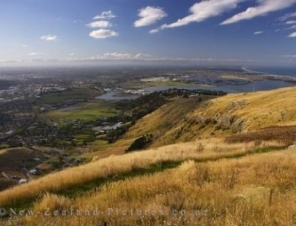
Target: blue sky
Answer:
[[197, 32]]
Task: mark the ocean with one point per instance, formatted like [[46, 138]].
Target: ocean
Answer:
[[284, 71]]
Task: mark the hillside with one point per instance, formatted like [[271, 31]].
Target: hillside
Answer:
[[250, 111], [161, 122], [187, 119], [158, 123], [14, 159], [223, 161], [129, 181], [227, 192]]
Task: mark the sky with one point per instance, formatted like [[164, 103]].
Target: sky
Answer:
[[228, 32]]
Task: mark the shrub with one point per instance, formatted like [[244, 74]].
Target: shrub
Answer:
[[140, 143], [200, 147]]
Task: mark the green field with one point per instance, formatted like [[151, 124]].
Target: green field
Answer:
[[85, 111], [73, 94]]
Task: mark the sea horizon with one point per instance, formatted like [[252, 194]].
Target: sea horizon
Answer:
[[273, 70]]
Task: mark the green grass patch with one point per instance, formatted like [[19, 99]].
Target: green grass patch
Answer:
[[87, 111], [269, 149]]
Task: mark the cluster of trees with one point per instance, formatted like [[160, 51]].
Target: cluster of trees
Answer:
[[146, 104], [114, 135], [142, 106]]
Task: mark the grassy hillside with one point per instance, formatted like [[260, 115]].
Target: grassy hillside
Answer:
[[186, 120], [158, 123], [109, 167], [12, 160], [237, 169], [227, 192], [163, 121], [218, 185], [250, 111]]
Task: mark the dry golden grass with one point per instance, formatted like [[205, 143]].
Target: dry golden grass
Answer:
[[284, 134], [163, 121], [104, 168], [254, 190], [186, 120], [261, 109]]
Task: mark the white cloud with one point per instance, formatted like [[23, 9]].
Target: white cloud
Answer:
[[107, 15], [291, 22], [265, 7], [149, 15], [102, 34], [258, 32], [99, 24], [36, 54], [202, 11], [293, 35], [153, 31], [49, 38]]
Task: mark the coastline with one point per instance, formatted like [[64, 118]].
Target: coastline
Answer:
[[281, 77]]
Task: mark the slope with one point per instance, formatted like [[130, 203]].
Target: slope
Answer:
[[188, 120]]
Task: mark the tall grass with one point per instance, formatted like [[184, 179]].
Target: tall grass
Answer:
[[254, 190], [283, 134], [106, 168]]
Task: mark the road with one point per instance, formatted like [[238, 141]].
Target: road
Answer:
[[5, 175]]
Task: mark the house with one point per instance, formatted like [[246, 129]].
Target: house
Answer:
[[104, 129], [34, 171], [10, 132], [23, 181]]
